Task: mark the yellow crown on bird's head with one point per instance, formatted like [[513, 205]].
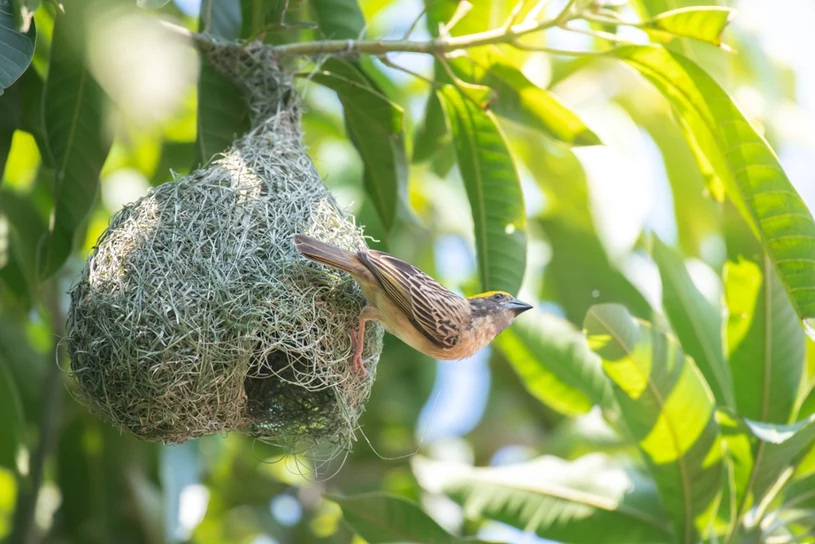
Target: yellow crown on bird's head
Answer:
[[493, 300], [489, 294]]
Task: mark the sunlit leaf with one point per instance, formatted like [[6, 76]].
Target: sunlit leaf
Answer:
[[381, 518], [494, 191], [375, 126], [764, 341], [223, 113], [519, 100], [668, 409], [695, 321], [762, 453], [763, 337], [569, 501], [73, 117], [703, 23], [10, 104], [555, 364], [748, 167], [16, 48]]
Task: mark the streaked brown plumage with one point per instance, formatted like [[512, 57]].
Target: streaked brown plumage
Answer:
[[413, 306]]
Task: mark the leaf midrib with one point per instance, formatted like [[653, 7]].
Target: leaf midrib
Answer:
[[480, 195], [680, 458], [60, 181]]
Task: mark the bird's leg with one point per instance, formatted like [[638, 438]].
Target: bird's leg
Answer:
[[369, 313]]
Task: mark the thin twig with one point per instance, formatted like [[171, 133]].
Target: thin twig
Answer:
[[536, 10], [387, 62], [415, 22], [513, 15]]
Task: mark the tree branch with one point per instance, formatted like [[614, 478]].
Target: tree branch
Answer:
[[443, 44]]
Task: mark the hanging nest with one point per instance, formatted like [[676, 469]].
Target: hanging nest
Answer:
[[195, 314]]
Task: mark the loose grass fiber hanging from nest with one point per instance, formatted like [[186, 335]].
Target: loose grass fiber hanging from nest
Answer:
[[195, 314]]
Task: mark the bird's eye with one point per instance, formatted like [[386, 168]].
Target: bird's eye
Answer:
[[497, 296]]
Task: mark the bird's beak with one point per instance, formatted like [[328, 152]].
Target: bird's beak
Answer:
[[518, 307]]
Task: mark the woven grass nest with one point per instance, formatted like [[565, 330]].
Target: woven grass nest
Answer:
[[194, 313]]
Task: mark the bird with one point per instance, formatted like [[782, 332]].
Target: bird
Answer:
[[413, 306]]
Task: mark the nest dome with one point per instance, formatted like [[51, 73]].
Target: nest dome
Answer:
[[195, 314]]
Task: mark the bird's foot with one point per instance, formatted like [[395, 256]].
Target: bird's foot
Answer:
[[356, 343]]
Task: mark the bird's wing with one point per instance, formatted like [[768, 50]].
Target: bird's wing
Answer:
[[435, 311]]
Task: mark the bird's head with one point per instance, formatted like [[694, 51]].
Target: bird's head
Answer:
[[496, 308]]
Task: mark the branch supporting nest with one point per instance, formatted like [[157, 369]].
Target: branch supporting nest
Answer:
[[508, 34]]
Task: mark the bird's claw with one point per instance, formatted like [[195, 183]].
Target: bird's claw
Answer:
[[357, 345]]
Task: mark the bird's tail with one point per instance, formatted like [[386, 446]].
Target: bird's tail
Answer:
[[327, 254]]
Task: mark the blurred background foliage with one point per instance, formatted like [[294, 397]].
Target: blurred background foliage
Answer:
[[609, 201]]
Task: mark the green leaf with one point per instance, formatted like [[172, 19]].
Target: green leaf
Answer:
[[555, 364], [73, 116], [703, 23], [520, 100], [339, 19], [569, 501], [695, 321], [10, 105], [433, 133], [765, 342], [381, 518], [12, 431], [763, 453], [16, 48], [494, 191], [668, 409], [29, 230], [223, 113], [748, 167], [801, 494], [523, 102], [375, 126], [763, 338]]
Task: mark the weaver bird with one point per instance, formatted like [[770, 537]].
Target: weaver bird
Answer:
[[413, 306]]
